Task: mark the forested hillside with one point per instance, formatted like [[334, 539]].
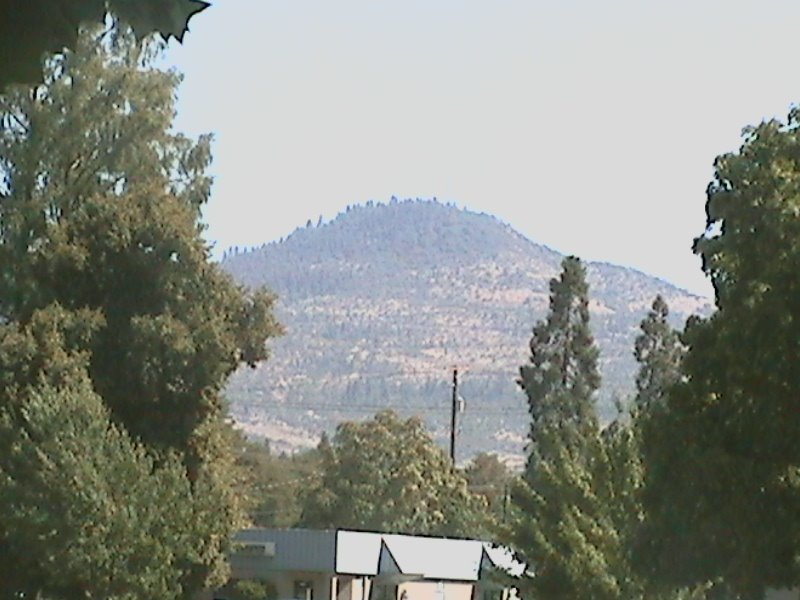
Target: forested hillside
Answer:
[[382, 303]]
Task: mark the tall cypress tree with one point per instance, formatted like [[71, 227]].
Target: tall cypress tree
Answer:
[[557, 521], [562, 376], [578, 505], [659, 352]]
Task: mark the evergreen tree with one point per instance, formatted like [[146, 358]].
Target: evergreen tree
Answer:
[[578, 506], [562, 376], [659, 352], [556, 501], [488, 477]]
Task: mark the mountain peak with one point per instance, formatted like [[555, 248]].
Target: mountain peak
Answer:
[[399, 235], [383, 300]]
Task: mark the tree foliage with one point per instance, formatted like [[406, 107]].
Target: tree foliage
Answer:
[[101, 211], [659, 352], [87, 511], [723, 491], [578, 505], [104, 274], [578, 515], [562, 376], [275, 484], [247, 589], [31, 28], [558, 524], [488, 477], [387, 474], [66, 474]]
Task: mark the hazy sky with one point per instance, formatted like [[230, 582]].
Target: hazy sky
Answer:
[[588, 126]]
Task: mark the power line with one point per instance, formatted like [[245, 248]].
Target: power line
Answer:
[[355, 408]]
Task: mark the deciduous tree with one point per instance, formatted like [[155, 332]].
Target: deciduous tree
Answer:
[[101, 248], [275, 484], [101, 211], [88, 512], [387, 474], [723, 491]]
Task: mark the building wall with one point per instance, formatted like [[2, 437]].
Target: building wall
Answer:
[[434, 590], [287, 585], [351, 587]]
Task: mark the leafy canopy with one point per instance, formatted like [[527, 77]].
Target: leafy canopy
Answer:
[[101, 211], [274, 484], [387, 474], [723, 491], [66, 475], [488, 477], [105, 280]]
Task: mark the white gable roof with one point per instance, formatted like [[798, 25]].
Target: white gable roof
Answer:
[[436, 558], [368, 553], [357, 552]]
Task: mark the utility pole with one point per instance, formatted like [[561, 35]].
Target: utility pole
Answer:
[[453, 417]]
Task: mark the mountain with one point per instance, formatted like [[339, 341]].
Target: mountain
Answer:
[[382, 303]]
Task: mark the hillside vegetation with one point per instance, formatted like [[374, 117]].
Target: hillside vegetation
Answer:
[[382, 303]]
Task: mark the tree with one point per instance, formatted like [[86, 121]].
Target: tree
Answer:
[[87, 511], [274, 484], [488, 477], [722, 489], [67, 473], [31, 28], [562, 376], [577, 506], [576, 519], [387, 475], [101, 198], [557, 522], [100, 233], [659, 352]]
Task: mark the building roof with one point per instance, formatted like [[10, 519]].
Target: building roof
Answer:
[[305, 550], [372, 554]]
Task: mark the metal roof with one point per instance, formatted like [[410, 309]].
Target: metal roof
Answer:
[[366, 553], [306, 550], [371, 554]]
